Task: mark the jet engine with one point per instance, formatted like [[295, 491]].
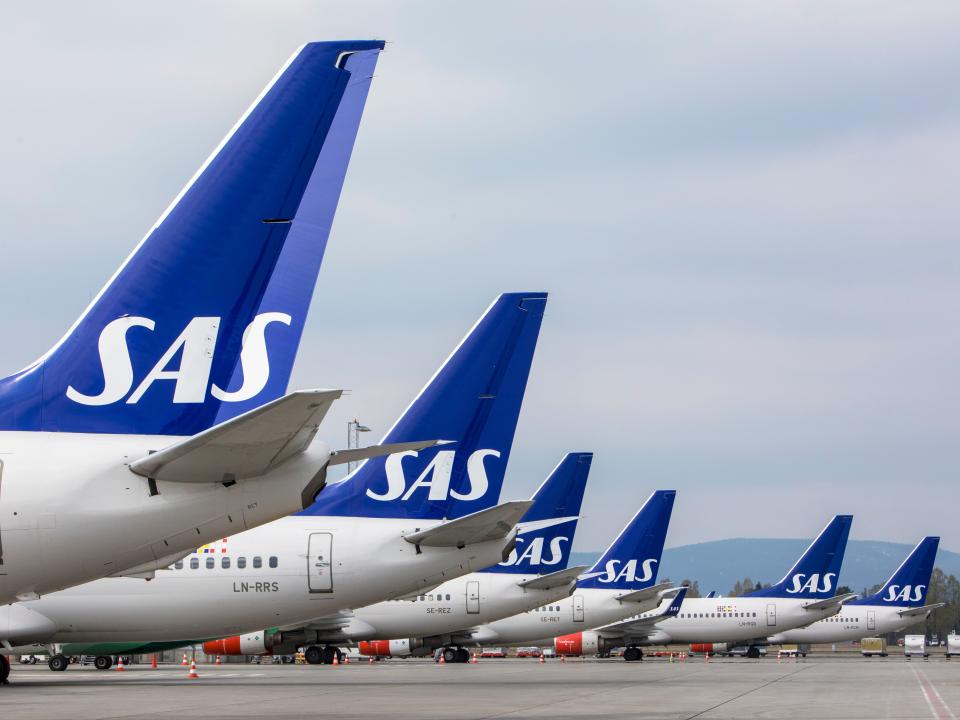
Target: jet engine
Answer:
[[390, 648], [712, 648], [581, 643]]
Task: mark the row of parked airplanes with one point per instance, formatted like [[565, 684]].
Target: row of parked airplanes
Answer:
[[162, 421]]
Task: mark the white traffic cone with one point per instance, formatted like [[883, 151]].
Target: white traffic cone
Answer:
[[473, 659], [120, 663], [542, 661], [184, 661], [370, 661], [192, 675], [335, 660], [218, 661]]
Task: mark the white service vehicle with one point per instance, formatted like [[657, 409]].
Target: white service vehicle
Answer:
[[394, 526], [915, 646]]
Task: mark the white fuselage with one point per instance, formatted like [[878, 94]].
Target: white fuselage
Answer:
[[287, 572], [586, 608], [853, 622], [452, 611], [71, 510], [733, 619]]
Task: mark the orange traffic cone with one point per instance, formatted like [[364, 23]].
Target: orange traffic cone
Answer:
[[218, 661], [370, 661], [346, 659], [778, 656], [473, 659], [192, 675], [542, 661], [184, 661], [443, 660], [153, 663], [706, 657], [335, 660], [563, 658], [120, 663]]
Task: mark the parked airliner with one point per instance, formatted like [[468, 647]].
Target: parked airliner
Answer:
[[380, 533], [159, 421], [445, 616], [805, 594], [899, 604]]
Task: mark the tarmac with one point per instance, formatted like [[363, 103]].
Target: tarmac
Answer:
[[817, 687]]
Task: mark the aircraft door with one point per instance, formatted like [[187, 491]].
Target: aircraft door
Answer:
[[473, 597], [771, 614], [320, 562], [578, 608], [871, 619]]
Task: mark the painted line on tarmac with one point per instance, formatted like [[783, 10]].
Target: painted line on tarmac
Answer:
[[749, 692], [938, 707]]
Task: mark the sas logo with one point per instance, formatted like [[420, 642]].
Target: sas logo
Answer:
[[617, 570], [533, 552], [435, 476], [802, 583], [909, 593], [195, 345]]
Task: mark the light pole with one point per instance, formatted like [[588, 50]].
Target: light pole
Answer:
[[354, 428]]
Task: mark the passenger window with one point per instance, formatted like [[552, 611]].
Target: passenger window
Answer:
[[273, 561], [241, 562], [257, 561], [178, 565], [194, 563], [225, 563], [430, 598], [210, 563]]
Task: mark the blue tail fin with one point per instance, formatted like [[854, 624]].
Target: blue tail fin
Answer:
[[908, 584], [202, 321], [816, 572], [474, 401], [633, 559], [547, 528]]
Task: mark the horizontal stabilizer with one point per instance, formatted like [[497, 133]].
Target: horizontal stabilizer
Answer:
[[246, 446], [341, 457], [645, 594], [830, 602], [921, 611], [490, 524], [640, 626], [553, 580]]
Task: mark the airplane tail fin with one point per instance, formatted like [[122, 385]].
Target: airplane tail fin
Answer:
[[473, 402], [632, 560], [815, 574], [202, 321], [546, 531], [909, 582]]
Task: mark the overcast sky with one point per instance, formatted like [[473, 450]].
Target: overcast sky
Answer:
[[746, 215]]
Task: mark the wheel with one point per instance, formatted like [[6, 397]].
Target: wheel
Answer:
[[313, 655], [4, 669], [58, 663], [753, 652], [103, 662], [328, 654], [339, 654], [631, 654], [463, 655], [449, 655]]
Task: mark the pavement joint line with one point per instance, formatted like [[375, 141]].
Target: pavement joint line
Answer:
[[749, 692], [938, 707]]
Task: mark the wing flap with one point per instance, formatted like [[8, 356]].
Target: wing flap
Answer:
[[248, 445], [490, 524]]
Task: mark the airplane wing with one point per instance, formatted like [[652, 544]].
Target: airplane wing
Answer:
[[645, 594], [640, 626], [554, 579], [837, 600], [920, 611], [246, 446], [490, 524]]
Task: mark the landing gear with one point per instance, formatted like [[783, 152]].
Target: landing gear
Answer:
[[103, 662], [329, 653], [633, 654], [463, 655], [450, 655], [4, 669], [453, 655], [58, 663], [313, 655], [753, 652]]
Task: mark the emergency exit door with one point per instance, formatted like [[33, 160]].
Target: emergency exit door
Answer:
[[871, 619], [320, 563], [771, 614], [578, 608], [473, 597]]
